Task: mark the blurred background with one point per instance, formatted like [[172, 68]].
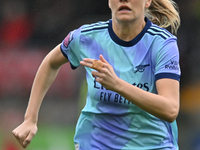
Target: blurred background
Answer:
[[30, 29]]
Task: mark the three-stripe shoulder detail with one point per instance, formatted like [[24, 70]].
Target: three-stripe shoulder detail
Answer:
[[156, 30], [95, 26]]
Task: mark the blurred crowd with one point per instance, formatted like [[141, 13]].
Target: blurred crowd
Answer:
[[44, 23], [30, 29], [35, 24]]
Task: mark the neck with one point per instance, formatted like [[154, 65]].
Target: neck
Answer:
[[128, 31]]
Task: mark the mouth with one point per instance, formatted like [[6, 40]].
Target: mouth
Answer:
[[124, 8]]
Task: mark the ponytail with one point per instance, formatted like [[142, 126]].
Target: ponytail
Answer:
[[165, 14]]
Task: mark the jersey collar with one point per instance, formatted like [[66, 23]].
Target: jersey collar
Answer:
[[134, 41]]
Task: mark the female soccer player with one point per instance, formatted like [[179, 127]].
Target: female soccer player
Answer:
[[133, 96]]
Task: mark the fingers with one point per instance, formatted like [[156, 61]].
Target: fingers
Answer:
[[87, 62], [97, 65], [93, 63], [28, 139], [24, 136], [103, 59], [23, 139], [19, 137]]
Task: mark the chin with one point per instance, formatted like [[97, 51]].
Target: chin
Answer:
[[124, 20]]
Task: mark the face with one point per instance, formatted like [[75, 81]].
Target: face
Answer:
[[128, 10]]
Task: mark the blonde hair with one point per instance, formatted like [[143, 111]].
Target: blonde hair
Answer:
[[164, 13]]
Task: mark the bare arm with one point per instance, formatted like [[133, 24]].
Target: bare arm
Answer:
[[164, 105], [45, 76]]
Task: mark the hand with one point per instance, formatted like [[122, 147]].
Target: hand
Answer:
[[24, 133], [106, 76]]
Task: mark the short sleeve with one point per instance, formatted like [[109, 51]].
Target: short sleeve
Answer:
[[70, 48], [167, 61]]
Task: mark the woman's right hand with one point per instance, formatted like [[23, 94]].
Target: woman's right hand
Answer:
[[25, 132]]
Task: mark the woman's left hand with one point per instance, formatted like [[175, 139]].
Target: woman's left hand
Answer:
[[106, 76]]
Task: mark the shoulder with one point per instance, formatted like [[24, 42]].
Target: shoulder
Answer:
[[162, 34], [159, 37], [161, 42], [89, 29], [94, 27]]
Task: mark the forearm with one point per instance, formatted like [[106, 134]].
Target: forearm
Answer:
[[45, 76], [163, 107], [43, 80]]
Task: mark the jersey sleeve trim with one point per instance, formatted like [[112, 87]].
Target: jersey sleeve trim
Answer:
[[73, 67], [167, 75]]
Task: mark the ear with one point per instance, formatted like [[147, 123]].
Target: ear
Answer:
[[109, 4], [148, 3]]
